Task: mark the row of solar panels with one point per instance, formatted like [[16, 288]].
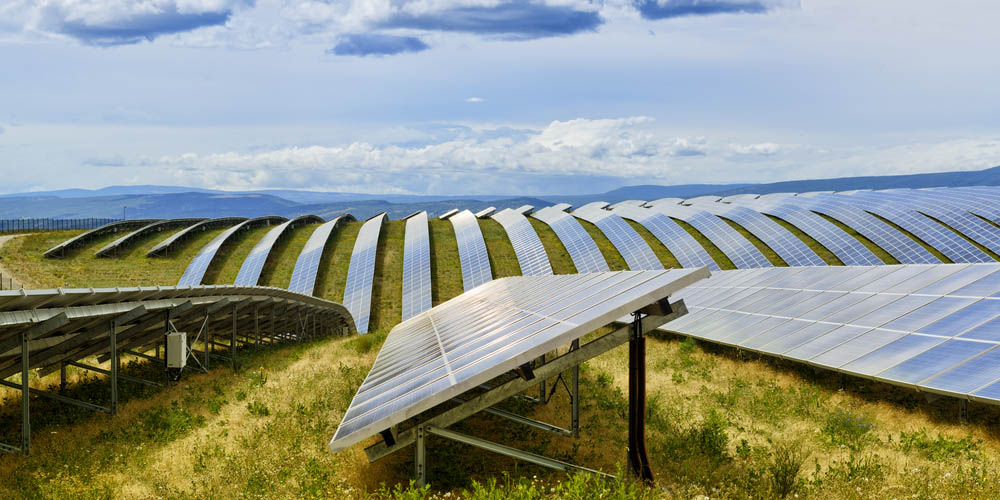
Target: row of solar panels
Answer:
[[953, 221]]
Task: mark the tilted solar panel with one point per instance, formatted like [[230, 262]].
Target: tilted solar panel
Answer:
[[581, 247], [527, 246], [307, 265], [253, 264], [740, 251], [681, 244], [113, 227], [361, 272], [469, 340], [935, 328], [115, 246], [195, 270], [471, 250], [632, 247], [164, 247], [416, 267]]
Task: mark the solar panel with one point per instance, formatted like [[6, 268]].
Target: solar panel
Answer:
[[80, 239], [739, 249], [307, 265], [471, 250], [447, 214], [115, 246], [581, 247], [195, 271], [416, 267], [900, 246], [681, 244], [524, 209], [467, 341], [848, 249], [486, 212], [947, 242], [164, 247], [253, 264], [935, 328], [527, 246], [632, 247], [361, 272], [791, 249], [562, 207]]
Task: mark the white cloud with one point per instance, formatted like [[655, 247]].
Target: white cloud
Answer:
[[761, 149], [475, 99]]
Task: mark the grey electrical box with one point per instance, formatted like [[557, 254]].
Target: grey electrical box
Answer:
[[177, 350]]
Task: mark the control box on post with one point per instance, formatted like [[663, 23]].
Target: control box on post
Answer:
[[177, 350]]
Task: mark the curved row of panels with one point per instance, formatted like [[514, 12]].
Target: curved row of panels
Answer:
[[909, 226]]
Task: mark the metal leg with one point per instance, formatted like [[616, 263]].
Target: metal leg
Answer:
[[541, 385], [575, 426], [166, 332], [113, 334], [62, 376], [25, 398], [209, 346], [256, 326], [232, 342], [638, 459], [420, 459], [963, 410]]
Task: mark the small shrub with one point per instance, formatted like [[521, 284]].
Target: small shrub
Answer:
[[258, 409], [783, 468], [938, 448], [847, 429], [711, 437], [855, 467], [257, 378]]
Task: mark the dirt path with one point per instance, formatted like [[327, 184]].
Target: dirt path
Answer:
[[7, 279]]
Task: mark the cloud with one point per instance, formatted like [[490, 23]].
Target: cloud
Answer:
[[118, 22], [374, 44], [762, 149], [475, 99], [519, 19], [2, 130], [666, 9]]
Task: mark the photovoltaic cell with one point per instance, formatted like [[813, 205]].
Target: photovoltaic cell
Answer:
[[195, 271], [115, 246], [361, 272], [681, 244], [632, 247], [253, 264], [416, 267], [527, 246], [307, 265], [471, 250], [791, 249], [740, 251], [907, 325], [581, 247], [164, 247], [467, 341]]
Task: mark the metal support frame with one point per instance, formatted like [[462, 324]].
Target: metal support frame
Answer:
[[484, 402], [113, 338], [25, 398], [963, 410], [638, 459]]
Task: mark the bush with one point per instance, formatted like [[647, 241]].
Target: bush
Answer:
[[258, 409], [783, 468], [850, 430], [940, 447]]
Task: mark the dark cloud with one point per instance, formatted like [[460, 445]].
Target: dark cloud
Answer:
[[374, 44], [517, 20], [651, 9], [140, 28]]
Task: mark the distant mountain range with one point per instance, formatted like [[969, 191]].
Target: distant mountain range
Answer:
[[174, 201]]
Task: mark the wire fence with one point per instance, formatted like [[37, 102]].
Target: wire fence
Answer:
[[18, 225]]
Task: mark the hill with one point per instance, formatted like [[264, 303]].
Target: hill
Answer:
[[986, 177]]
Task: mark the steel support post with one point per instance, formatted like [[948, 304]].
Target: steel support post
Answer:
[[274, 339], [638, 459], [208, 345], [541, 385], [420, 457], [963, 410], [575, 402], [256, 326], [113, 336], [232, 341], [166, 332], [25, 398], [62, 376]]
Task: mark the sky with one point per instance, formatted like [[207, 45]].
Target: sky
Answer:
[[512, 97]]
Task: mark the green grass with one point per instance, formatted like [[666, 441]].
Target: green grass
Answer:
[[446, 268], [820, 250], [869, 244], [659, 249], [611, 255], [935, 252], [713, 251], [226, 264], [280, 263], [81, 269], [766, 250], [559, 258], [332, 276], [387, 283], [503, 260]]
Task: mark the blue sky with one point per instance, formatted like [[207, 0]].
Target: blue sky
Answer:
[[491, 96]]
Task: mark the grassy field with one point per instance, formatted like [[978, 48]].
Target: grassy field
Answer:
[[503, 260], [226, 264], [721, 423], [281, 262], [559, 258], [713, 251], [615, 260], [659, 249]]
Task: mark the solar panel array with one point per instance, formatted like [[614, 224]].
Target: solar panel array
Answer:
[[630, 245], [361, 272], [307, 265], [416, 267], [466, 341], [739, 249], [195, 270], [789, 247], [581, 247], [253, 264], [687, 250], [527, 246], [164, 247], [931, 327], [471, 250], [113, 247], [82, 238]]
